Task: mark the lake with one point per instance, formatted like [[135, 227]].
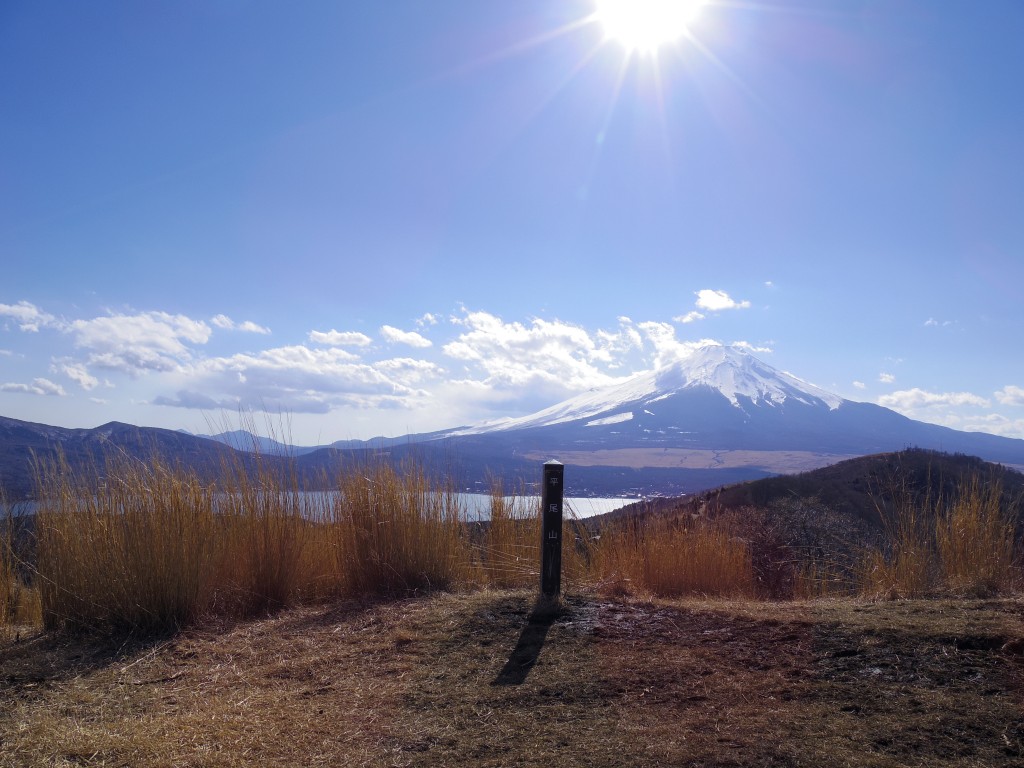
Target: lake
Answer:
[[477, 505]]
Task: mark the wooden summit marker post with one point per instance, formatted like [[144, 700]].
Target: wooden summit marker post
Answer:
[[551, 529]]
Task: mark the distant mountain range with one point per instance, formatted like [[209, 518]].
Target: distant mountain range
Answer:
[[25, 445], [717, 417]]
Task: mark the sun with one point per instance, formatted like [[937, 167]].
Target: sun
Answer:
[[643, 26]]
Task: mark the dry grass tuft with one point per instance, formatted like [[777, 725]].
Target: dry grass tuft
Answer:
[[510, 551], [397, 533], [964, 545], [671, 559], [7, 574], [129, 548], [975, 541]]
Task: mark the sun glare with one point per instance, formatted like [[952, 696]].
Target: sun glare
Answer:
[[645, 25]]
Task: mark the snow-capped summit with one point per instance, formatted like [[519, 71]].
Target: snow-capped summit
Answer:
[[733, 372]]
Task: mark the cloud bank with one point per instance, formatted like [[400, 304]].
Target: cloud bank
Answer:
[[477, 365]]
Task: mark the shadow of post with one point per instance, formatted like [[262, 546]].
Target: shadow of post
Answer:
[[531, 640]]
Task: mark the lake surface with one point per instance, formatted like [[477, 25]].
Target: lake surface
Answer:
[[478, 505]]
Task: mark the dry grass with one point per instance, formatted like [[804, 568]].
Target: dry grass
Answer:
[[7, 573], [965, 545], [398, 532], [132, 547], [150, 548], [817, 579], [19, 603], [264, 526], [486, 678], [510, 551], [609, 682], [975, 541], [670, 559]]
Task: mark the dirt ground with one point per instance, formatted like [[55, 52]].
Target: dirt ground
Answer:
[[490, 679]]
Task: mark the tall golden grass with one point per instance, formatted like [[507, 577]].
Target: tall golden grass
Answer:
[[132, 546], [510, 551], [963, 545], [152, 547], [670, 559], [396, 532], [7, 573], [975, 541], [906, 565], [148, 547], [264, 523], [19, 600]]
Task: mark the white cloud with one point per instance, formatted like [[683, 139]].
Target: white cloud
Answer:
[[689, 317], [191, 399], [614, 348], [1010, 395], [335, 338], [752, 348], [710, 301], [28, 316], [958, 410], [38, 386], [913, 399], [886, 378], [556, 355], [716, 301], [409, 371], [77, 373], [931, 322], [426, 319], [859, 385], [149, 341], [994, 423], [247, 326], [298, 379], [396, 336], [667, 348], [98, 400]]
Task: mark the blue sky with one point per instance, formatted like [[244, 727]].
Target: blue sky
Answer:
[[384, 216]]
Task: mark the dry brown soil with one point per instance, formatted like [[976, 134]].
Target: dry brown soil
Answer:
[[484, 679]]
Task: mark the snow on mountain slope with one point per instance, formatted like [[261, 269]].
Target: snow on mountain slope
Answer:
[[732, 371]]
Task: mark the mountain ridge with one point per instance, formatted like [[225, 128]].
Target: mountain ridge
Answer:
[[726, 399], [720, 416]]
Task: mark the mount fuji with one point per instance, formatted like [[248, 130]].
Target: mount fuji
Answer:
[[719, 416], [720, 408], [651, 406]]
